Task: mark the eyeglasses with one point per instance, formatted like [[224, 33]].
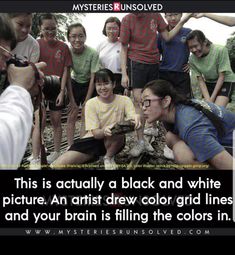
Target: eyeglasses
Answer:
[[105, 84], [147, 102], [112, 28], [170, 15], [49, 30], [74, 37]]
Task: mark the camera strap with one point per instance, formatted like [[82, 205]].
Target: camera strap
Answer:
[[42, 146], [36, 73]]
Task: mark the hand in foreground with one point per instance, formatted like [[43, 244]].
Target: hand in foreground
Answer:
[[25, 77]]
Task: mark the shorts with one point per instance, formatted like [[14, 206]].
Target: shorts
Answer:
[[80, 91], [140, 73], [226, 89], [92, 146], [119, 89], [179, 80]]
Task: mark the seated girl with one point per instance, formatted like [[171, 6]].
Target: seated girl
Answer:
[[101, 114], [200, 129]]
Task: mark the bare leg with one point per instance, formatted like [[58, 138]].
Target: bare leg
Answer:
[[71, 158], [113, 145], [222, 101], [36, 133], [72, 118], [55, 117], [137, 99]]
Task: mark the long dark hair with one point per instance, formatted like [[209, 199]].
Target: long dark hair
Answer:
[[164, 88]]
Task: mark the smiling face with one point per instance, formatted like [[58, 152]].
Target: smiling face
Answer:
[[104, 88], [48, 29], [22, 25], [77, 38], [197, 48], [112, 31]]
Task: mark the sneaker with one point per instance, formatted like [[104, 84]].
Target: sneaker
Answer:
[[35, 164], [137, 149], [30, 158], [151, 131], [168, 153], [148, 147], [109, 163], [52, 157]]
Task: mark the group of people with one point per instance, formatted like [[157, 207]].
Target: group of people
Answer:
[[99, 80]]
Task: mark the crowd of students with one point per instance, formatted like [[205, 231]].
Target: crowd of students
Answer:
[[143, 54]]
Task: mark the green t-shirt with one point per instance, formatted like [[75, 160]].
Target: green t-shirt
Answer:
[[209, 67], [84, 64]]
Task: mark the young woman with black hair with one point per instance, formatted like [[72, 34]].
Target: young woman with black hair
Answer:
[[200, 129], [101, 114], [211, 65]]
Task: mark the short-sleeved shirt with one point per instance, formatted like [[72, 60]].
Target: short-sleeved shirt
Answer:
[[99, 114], [84, 64], [175, 53], [199, 133], [140, 33], [57, 57], [209, 67], [109, 54], [29, 49]]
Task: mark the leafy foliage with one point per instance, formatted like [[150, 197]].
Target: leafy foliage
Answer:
[[63, 19]]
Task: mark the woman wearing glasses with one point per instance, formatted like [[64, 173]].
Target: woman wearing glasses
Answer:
[[199, 128], [101, 113]]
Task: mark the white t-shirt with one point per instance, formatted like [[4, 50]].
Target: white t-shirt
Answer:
[[109, 54], [16, 119], [28, 48]]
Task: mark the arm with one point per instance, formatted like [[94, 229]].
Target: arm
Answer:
[[16, 119], [125, 79], [218, 86], [167, 36], [91, 88], [203, 88], [16, 115], [222, 160], [225, 20], [60, 98]]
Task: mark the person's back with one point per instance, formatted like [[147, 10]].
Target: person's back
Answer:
[[197, 130]]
